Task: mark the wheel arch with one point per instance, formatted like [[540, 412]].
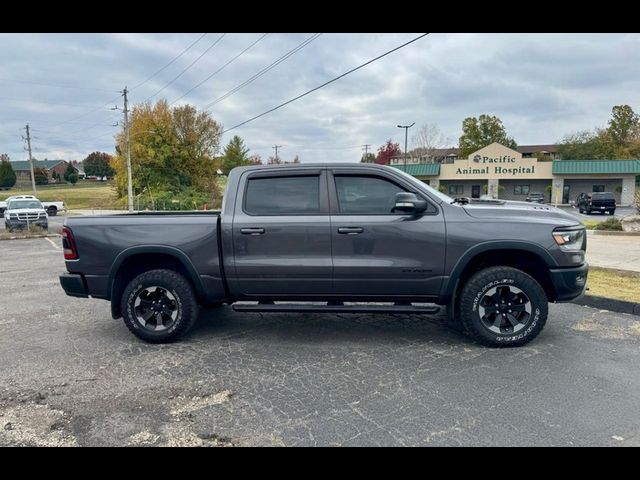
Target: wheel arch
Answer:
[[526, 256], [136, 260]]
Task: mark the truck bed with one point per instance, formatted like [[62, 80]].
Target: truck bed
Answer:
[[107, 242]]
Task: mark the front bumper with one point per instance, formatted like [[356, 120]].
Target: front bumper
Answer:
[[569, 283], [16, 223], [74, 285]]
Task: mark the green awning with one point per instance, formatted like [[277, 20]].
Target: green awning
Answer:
[[596, 167], [420, 169]]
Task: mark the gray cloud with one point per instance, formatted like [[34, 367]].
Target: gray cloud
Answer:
[[543, 86]]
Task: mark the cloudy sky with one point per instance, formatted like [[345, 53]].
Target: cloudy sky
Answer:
[[542, 86]]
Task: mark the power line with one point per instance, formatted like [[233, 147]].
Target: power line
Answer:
[[43, 102], [173, 60], [27, 82], [110, 102], [188, 67], [326, 83], [85, 114], [220, 69], [264, 70]]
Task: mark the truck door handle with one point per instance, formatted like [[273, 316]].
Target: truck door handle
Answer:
[[350, 230], [252, 231]]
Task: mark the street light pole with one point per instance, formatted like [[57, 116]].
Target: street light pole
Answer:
[[406, 133]]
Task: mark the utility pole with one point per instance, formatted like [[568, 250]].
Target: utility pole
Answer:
[[365, 147], [276, 147], [128, 146], [406, 132], [33, 178]]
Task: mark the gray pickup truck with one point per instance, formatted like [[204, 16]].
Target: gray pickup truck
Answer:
[[332, 238]]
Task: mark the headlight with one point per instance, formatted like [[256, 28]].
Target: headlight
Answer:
[[43, 215], [570, 238]]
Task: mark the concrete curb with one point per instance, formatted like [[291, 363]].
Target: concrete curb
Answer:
[[25, 237], [613, 232], [611, 304]]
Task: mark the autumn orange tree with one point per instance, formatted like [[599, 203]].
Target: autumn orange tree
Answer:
[[173, 152]]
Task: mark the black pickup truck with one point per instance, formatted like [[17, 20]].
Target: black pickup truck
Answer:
[[604, 202], [332, 238]]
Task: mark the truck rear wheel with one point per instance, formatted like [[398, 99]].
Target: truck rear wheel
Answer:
[[503, 307], [159, 306]]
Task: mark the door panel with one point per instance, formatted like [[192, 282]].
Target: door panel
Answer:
[[386, 253], [285, 247]]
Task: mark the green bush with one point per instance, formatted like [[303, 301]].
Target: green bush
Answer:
[[40, 176], [186, 199], [609, 224], [73, 179], [7, 175]]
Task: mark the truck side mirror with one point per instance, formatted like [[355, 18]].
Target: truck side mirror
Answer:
[[408, 202]]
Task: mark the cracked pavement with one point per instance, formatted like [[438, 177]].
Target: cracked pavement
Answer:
[[70, 375]]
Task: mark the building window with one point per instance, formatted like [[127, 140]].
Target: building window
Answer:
[[521, 189], [598, 188], [456, 189]]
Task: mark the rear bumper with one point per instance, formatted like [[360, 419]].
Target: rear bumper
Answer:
[[569, 283], [73, 285]]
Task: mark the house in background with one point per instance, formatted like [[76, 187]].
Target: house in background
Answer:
[[23, 170], [450, 155]]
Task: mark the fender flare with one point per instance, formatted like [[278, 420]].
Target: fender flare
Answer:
[[163, 249], [450, 286]]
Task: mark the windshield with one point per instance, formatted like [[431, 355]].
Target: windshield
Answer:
[[430, 189], [20, 204]]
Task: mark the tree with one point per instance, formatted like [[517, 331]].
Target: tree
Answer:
[[40, 176], [73, 178], [7, 175], [427, 139], [98, 164], [69, 171], [235, 155], [296, 159], [171, 149], [368, 158], [255, 160], [623, 125], [482, 131], [274, 160], [586, 145], [386, 151]]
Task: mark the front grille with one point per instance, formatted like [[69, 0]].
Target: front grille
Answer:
[[28, 216]]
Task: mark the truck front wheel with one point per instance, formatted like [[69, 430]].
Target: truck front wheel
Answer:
[[503, 307], [159, 306]]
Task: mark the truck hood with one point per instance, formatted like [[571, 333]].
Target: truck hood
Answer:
[[505, 209]]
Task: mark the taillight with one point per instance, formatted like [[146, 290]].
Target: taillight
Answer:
[[69, 244]]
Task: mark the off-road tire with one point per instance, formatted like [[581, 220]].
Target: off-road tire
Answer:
[[179, 287], [481, 282]]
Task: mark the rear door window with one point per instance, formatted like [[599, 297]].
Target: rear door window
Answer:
[[293, 195]]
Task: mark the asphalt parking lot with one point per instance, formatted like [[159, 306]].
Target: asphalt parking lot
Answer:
[[70, 375], [621, 212]]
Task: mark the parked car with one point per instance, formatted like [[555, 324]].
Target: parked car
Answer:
[[604, 202], [535, 197], [332, 233], [52, 208], [24, 212]]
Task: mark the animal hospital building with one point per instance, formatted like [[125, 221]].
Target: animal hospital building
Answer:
[[502, 172]]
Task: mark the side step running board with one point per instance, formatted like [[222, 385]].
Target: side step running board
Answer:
[[332, 308]]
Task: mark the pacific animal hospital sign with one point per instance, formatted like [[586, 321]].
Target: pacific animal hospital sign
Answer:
[[495, 161]]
